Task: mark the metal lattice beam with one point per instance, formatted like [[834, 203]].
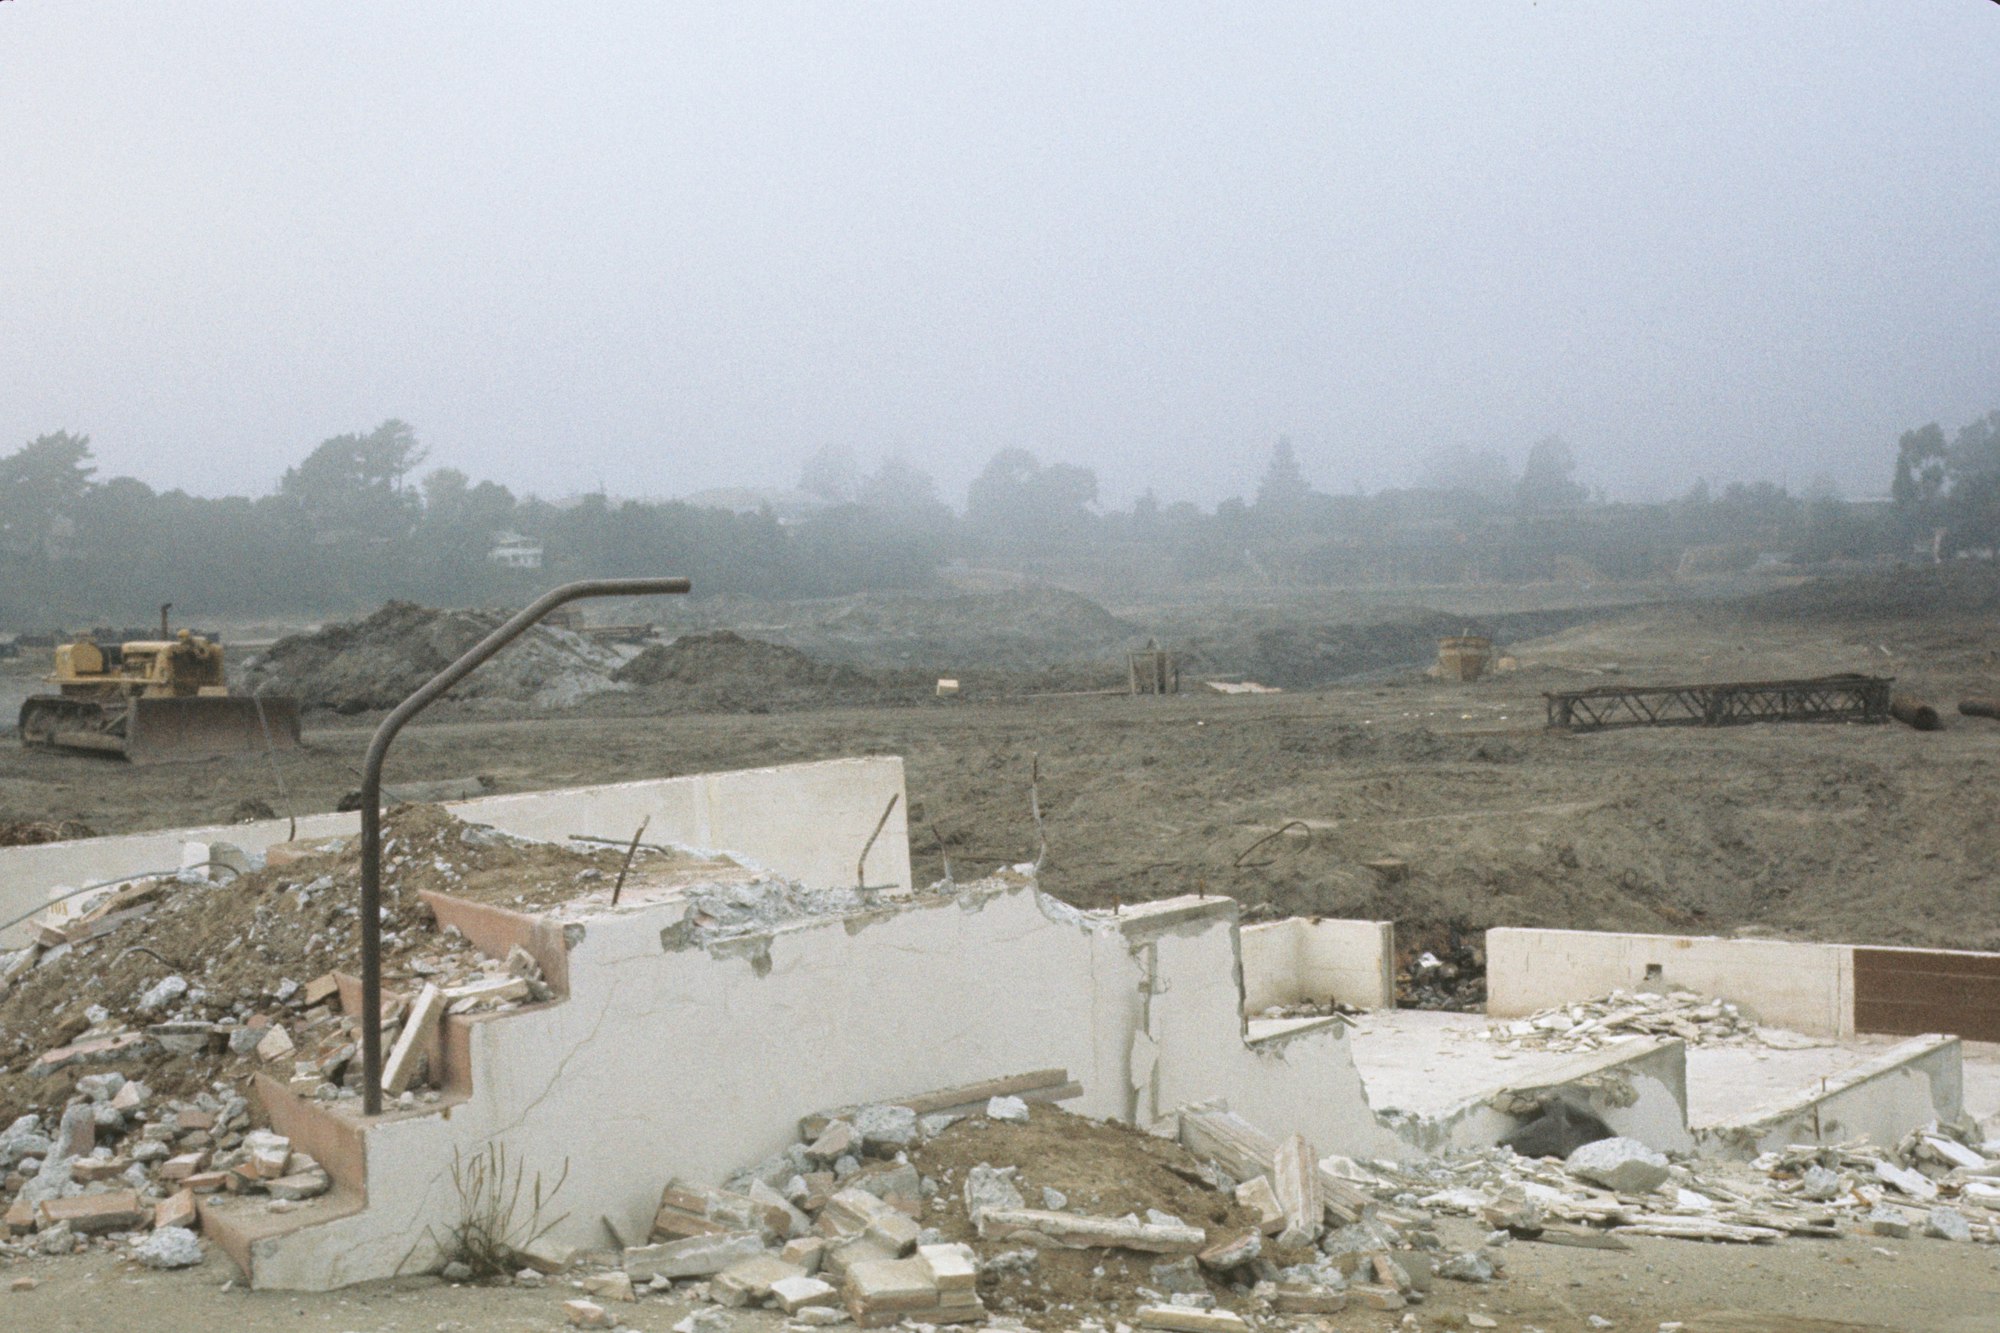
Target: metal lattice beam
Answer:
[[1822, 699]]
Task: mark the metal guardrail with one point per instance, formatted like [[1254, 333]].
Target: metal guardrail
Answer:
[[1823, 699], [371, 794]]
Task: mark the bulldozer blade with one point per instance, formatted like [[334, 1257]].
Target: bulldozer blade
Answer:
[[164, 730]]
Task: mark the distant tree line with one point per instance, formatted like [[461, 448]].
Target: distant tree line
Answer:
[[357, 520], [353, 524]]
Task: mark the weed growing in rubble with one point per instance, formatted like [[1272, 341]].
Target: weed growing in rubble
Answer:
[[493, 1231]]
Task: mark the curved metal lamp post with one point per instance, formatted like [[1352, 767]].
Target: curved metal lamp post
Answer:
[[371, 795]]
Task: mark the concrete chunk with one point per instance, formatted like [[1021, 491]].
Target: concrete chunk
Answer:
[[749, 1281], [1913, 1183], [269, 1153], [1624, 1165], [88, 1214], [399, 1071], [1308, 1298], [587, 1314], [1186, 1319], [696, 1256], [1295, 1182], [990, 1187], [840, 1257], [952, 1267], [890, 1286], [176, 1210], [794, 1294], [1257, 1195], [1079, 1231]]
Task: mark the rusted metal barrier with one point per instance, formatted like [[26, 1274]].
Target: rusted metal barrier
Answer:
[[371, 794]]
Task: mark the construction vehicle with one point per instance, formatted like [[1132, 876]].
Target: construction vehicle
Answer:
[[152, 700]]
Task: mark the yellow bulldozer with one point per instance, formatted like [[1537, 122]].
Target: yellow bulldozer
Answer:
[[151, 700]]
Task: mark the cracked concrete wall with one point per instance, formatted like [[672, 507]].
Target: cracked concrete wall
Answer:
[[1317, 959], [806, 822], [1191, 1031], [665, 1064]]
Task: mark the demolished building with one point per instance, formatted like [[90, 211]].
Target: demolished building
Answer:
[[774, 964]]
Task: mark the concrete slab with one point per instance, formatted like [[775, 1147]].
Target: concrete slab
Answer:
[[1425, 1062], [1725, 1082]]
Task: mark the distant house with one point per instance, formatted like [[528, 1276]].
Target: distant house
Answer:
[[513, 551]]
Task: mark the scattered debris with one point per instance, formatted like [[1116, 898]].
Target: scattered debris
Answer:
[[1694, 1019]]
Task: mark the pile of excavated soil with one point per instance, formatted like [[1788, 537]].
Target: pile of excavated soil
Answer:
[[1022, 630], [721, 671], [372, 664]]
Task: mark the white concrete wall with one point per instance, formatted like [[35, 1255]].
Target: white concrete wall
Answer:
[[1318, 958], [807, 822], [1805, 987], [1914, 1083], [1189, 1038], [692, 1063]]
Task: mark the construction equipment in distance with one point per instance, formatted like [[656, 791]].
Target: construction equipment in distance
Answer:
[[1464, 656], [152, 700]]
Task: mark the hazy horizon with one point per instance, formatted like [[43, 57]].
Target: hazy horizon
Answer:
[[664, 249]]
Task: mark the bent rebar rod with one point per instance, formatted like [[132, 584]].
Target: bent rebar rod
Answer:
[[371, 795]]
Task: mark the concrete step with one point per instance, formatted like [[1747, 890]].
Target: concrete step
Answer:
[[336, 1133]]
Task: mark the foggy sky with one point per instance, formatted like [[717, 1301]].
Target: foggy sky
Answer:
[[661, 247]]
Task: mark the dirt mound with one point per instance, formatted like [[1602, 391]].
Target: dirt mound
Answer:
[[1962, 588], [1024, 629], [1280, 647], [373, 664], [702, 659], [721, 671]]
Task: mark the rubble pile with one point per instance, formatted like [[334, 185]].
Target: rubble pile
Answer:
[[134, 1022], [1935, 1183], [1696, 1020], [124, 1166], [1023, 1213]]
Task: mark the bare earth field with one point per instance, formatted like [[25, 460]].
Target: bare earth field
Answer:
[[1875, 833]]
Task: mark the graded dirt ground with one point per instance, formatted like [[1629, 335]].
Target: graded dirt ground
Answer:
[[1814, 831], [1845, 1286]]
